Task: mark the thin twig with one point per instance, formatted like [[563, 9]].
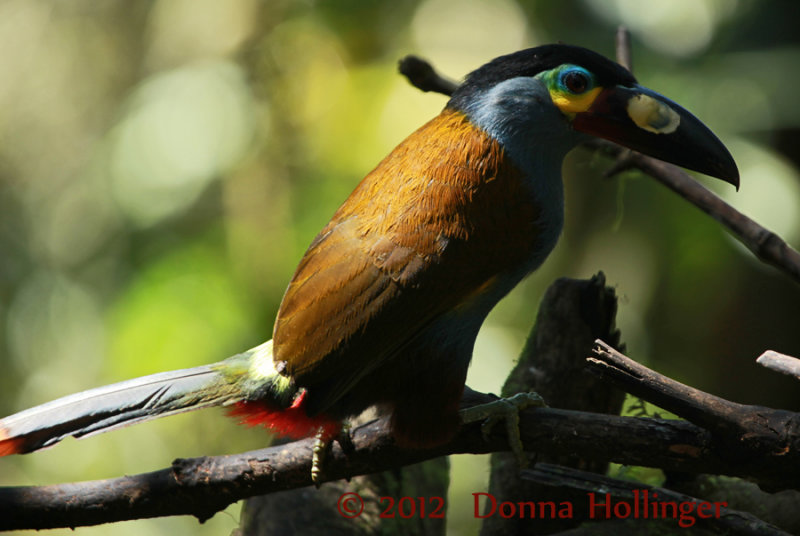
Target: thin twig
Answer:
[[766, 245], [785, 364], [423, 76], [623, 42]]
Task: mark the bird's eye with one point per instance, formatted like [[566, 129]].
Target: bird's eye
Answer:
[[576, 81]]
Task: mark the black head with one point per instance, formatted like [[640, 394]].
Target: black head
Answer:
[[532, 61], [594, 96]]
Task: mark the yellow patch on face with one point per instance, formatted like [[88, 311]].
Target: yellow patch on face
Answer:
[[653, 115], [573, 104]]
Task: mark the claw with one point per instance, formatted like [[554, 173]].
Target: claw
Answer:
[[506, 409]]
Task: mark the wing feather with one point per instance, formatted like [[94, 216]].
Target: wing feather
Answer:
[[421, 235]]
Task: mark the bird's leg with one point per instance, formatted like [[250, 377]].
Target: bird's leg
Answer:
[[323, 440], [506, 409], [322, 446]]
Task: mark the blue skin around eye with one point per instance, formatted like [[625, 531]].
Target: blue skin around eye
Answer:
[[564, 71]]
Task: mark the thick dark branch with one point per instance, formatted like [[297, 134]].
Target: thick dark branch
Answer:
[[703, 409], [754, 435], [572, 315], [203, 486]]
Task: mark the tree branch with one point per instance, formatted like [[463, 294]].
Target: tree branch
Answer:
[[423, 76], [766, 245], [785, 364], [317, 511], [204, 486], [744, 433], [623, 45]]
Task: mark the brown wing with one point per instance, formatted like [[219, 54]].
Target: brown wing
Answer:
[[431, 226]]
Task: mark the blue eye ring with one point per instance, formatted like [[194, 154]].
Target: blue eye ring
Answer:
[[575, 80]]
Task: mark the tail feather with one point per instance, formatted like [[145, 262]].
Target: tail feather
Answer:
[[109, 407], [141, 399]]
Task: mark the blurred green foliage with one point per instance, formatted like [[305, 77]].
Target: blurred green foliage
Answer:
[[164, 164]]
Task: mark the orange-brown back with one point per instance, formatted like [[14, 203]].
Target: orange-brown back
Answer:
[[428, 230]]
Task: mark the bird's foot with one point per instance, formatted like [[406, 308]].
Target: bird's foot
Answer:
[[323, 441], [505, 409]]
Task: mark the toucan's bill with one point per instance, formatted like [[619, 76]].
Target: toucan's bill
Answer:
[[643, 120]]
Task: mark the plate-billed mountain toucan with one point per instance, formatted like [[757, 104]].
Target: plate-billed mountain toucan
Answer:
[[385, 305]]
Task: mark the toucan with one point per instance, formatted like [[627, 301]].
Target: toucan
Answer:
[[385, 305]]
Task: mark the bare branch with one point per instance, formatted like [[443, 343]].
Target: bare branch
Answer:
[[766, 245], [623, 42], [423, 76], [752, 433], [785, 364], [204, 486]]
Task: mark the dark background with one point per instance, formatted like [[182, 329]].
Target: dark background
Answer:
[[164, 164]]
